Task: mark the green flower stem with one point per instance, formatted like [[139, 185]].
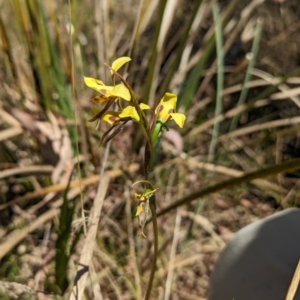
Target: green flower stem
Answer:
[[152, 204], [144, 124], [157, 129], [151, 139], [149, 149]]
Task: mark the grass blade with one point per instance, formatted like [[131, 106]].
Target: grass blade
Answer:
[[220, 82], [254, 51]]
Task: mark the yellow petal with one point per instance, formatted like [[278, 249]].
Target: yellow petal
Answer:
[[129, 112], [144, 106], [119, 62], [166, 106], [121, 91], [167, 103], [105, 90], [111, 117], [139, 209], [170, 97], [178, 118], [93, 83]]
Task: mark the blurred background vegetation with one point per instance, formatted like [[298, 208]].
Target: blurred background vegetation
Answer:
[[235, 68]]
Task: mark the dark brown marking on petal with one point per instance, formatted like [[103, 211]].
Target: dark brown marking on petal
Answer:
[[160, 108], [98, 99], [171, 110], [113, 119]]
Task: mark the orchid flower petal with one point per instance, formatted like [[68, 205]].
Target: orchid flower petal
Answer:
[[178, 118], [111, 117], [139, 209], [121, 91], [119, 62], [93, 83], [129, 112], [144, 106]]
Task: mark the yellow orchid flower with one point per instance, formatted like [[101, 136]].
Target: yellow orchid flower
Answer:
[[108, 92], [126, 114], [111, 117], [166, 110], [143, 198]]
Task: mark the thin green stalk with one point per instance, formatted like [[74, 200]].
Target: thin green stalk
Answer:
[[254, 51], [144, 126], [155, 250], [184, 38], [152, 62], [191, 84], [219, 98], [192, 81], [152, 204]]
